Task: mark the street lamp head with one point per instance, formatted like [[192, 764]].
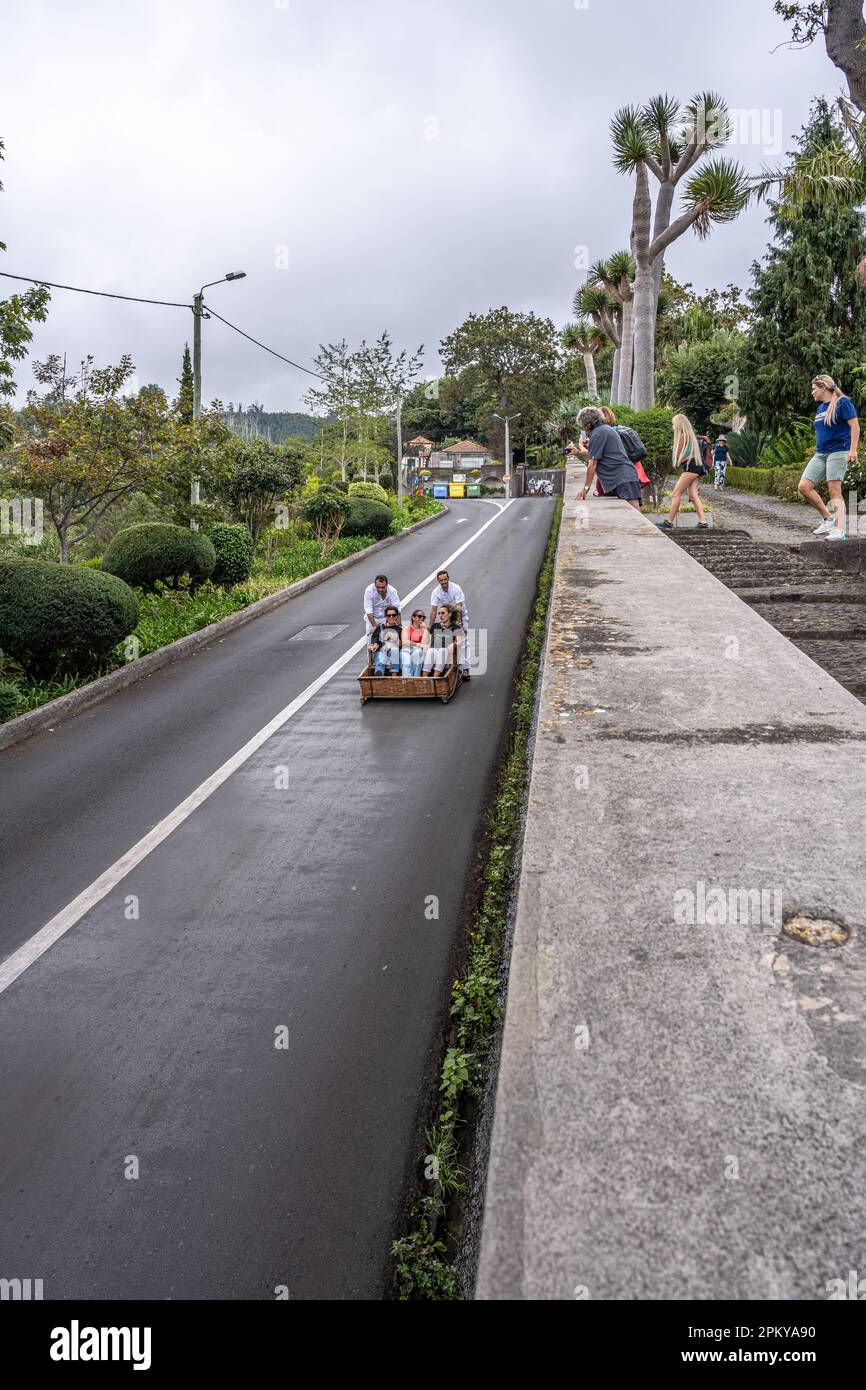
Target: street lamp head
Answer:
[[236, 275]]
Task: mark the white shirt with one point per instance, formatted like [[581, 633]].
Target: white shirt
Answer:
[[453, 594], [376, 603]]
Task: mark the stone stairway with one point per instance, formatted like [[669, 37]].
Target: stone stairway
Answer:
[[821, 609]]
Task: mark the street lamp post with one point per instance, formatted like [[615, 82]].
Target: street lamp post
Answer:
[[197, 316], [506, 420]]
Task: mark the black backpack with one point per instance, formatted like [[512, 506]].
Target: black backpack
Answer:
[[632, 443]]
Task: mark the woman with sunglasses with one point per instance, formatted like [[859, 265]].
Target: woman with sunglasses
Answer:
[[385, 644], [412, 650], [442, 642]]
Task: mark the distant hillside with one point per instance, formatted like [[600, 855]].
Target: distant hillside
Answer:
[[254, 422]]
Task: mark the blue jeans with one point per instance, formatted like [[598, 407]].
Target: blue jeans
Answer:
[[379, 662], [411, 659]]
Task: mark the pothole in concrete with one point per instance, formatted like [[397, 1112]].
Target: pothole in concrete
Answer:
[[816, 931]]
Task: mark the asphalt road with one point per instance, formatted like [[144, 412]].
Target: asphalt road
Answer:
[[290, 904]]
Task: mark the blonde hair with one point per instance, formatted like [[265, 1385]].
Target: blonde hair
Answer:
[[609, 417], [827, 383], [685, 440]]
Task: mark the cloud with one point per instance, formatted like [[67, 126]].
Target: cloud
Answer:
[[387, 165]]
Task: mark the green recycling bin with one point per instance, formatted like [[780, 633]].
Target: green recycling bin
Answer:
[[473, 489]]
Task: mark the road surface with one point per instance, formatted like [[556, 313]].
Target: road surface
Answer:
[[230, 862]]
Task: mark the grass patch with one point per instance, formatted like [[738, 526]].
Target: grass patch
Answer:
[[423, 1262]]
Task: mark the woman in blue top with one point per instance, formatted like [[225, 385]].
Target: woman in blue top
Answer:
[[837, 434]]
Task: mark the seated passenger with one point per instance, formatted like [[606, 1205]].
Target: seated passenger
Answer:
[[385, 644], [440, 641], [412, 652]]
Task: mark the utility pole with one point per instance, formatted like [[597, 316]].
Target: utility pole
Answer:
[[197, 315], [400, 452], [506, 419]]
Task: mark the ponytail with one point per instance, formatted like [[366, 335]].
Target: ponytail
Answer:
[[828, 384]]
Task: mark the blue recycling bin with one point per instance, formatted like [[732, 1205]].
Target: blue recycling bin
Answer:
[[440, 489]]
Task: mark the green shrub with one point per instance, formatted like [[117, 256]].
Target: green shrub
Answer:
[[747, 447], [784, 483], [788, 449], [367, 518], [52, 613], [374, 491], [656, 430], [750, 479], [233, 546], [154, 551], [10, 700]]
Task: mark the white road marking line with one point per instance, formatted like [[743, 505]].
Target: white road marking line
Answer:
[[45, 938], [462, 520]]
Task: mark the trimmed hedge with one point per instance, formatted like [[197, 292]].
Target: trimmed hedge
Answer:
[[51, 613], [143, 555], [769, 482], [368, 518], [374, 491], [233, 546]]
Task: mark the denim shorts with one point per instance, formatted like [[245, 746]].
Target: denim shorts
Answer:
[[833, 467]]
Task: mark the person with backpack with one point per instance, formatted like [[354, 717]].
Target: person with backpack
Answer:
[[634, 447], [688, 458], [608, 457]]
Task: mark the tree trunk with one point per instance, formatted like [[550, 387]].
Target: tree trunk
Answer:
[[591, 378], [661, 222], [642, 391], [643, 387], [626, 352], [844, 36], [614, 378]]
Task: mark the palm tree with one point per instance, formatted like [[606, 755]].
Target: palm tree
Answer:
[[647, 140], [832, 175], [586, 338], [594, 302], [615, 275]]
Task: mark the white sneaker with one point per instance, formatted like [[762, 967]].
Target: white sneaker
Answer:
[[837, 535], [827, 524]]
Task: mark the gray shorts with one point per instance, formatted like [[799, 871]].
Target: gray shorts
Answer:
[[829, 467]]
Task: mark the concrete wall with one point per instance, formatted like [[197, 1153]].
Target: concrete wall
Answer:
[[680, 1110]]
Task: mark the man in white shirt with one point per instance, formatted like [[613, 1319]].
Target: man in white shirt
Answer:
[[447, 591], [377, 596]]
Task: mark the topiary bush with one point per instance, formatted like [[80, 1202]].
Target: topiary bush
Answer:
[[53, 614], [10, 700], [374, 491], [367, 517], [234, 554], [144, 555]]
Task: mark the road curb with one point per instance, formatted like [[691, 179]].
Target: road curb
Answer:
[[57, 711]]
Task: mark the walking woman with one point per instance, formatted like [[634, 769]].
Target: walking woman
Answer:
[[837, 434], [687, 458]]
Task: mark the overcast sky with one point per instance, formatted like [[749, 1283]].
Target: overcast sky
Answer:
[[380, 164]]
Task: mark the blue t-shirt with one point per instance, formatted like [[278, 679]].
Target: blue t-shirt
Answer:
[[720, 452], [835, 438]]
